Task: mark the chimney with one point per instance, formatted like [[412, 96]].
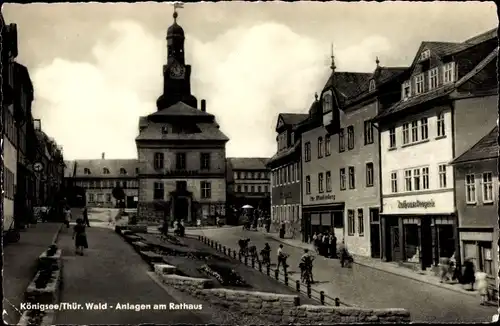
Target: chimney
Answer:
[[203, 105], [102, 155]]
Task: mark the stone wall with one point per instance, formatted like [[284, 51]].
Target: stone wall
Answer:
[[276, 308]]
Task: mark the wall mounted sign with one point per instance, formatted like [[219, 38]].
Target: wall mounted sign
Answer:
[[416, 204], [322, 197], [38, 166]]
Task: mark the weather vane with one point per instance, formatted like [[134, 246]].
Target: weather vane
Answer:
[[177, 5]]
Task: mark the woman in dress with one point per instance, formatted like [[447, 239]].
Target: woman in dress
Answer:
[[80, 237]]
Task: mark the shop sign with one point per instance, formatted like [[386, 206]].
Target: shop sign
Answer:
[[416, 204], [322, 197]]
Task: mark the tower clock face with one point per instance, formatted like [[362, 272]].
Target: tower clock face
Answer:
[[177, 71]]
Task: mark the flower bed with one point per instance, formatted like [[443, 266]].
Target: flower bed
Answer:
[[44, 288], [226, 276]]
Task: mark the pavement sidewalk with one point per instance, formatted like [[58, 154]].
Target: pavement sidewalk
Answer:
[[20, 262], [388, 267]]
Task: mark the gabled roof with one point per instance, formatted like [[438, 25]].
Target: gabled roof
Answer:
[[486, 148], [208, 131], [384, 74], [284, 153], [492, 56], [492, 33], [293, 118], [348, 84], [248, 163], [181, 109], [96, 168]]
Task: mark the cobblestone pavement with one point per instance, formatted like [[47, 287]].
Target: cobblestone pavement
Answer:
[[20, 265], [369, 287], [112, 272]]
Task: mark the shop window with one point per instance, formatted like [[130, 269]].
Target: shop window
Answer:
[[411, 242], [338, 220], [446, 240], [486, 257], [470, 252]]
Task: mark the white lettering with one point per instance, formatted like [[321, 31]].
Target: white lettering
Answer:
[[416, 204], [185, 306]]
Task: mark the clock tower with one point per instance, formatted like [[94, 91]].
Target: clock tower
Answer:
[[176, 74]]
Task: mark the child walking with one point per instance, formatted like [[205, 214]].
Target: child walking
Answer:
[[80, 237], [482, 286]]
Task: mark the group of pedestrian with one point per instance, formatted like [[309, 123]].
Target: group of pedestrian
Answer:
[[325, 244]]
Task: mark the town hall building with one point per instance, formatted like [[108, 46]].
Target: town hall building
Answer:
[[181, 151]]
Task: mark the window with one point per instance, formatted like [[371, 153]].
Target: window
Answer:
[[470, 189], [293, 173], [320, 147], [259, 188], [419, 84], [86, 171], [307, 151], [425, 55], [136, 170], [414, 131], [327, 103], [394, 182], [352, 178], [350, 137], [328, 148], [100, 198], [320, 182], [159, 192], [392, 138], [433, 78], [361, 222], [408, 180], [180, 161], [486, 257], [416, 179], [350, 222], [369, 174], [448, 73], [206, 189], [123, 171], [108, 198], [91, 198], [442, 176], [164, 130], [252, 188], [487, 187], [406, 134], [105, 171], [235, 175], [406, 90], [440, 125], [328, 181], [368, 132], [424, 129], [205, 161], [245, 188], [308, 185], [425, 178], [297, 171], [341, 140], [238, 188], [266, 188], [342, 179], [372, 85], [158, 160]]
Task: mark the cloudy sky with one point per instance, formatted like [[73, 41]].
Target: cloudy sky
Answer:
[[97, 67]]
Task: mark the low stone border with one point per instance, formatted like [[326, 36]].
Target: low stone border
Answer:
[[277, 308], [47, 295], [54, 260], [47, 320]]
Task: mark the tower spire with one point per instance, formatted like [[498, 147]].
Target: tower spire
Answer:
[[377, 61], [177, 5], [332, 65]]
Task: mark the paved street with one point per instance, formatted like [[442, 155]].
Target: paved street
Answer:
[[112, 272], [20, 263], [367, 287]]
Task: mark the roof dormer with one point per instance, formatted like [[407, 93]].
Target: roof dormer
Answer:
[[372, 85], [86, 171], [425, 55]]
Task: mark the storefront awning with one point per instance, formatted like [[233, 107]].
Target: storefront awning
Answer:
[[323, 208]]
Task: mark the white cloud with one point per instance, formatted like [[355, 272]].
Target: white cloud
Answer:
[[248, 75]]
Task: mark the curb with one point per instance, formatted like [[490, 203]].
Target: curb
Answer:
[[386, 271], [56, 236]]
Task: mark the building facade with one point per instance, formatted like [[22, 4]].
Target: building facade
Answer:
[[476, 184], [340, 158], [419, 221], [285, 167], [98, 179], [248, 183], [181, 151]]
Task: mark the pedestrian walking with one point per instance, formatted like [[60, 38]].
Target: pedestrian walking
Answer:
[[468, 276], [198, 222], [67, 216], [315, 239], [281, 257], [482, 286], [80, 237], [86, 217], [324, 245]]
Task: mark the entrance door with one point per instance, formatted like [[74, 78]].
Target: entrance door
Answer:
[[181, 208], [374, 233], [396, 243]]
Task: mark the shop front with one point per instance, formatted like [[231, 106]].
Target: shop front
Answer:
[[419, 230], [326, 218]]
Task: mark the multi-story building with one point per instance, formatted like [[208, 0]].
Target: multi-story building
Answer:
[[340, 160], [248, 181], [476, 184], [9, 126], [285, 174], [98, 178], [181, 150], [418, 220]]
